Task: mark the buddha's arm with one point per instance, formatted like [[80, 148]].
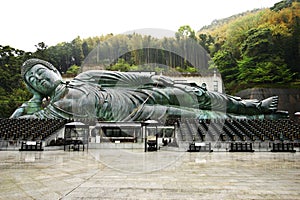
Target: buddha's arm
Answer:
[[74, 102], [58, 110]]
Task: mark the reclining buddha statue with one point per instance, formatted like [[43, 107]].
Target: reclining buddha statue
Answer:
[[127, 96]]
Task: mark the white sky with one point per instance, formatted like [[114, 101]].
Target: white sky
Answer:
[[24, 23]]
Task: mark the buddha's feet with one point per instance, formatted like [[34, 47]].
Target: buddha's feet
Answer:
[[270, 104]]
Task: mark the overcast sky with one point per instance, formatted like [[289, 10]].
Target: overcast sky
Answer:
[[24, 23]]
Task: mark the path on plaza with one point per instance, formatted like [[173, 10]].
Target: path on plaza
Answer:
[[134, 174]]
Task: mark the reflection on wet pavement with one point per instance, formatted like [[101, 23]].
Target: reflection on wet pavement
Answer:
[[134, 174]]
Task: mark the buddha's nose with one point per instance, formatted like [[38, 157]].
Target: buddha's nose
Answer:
[[38, 77]]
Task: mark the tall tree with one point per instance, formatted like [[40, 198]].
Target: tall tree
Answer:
[[77, 52], [12, 89]]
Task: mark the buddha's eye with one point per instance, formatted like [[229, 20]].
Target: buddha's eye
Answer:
[[31, 79], [40, 71]]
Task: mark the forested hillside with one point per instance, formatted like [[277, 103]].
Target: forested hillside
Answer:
[[257, 49]]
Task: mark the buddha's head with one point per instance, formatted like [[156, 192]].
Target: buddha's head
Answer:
[[40, 76]]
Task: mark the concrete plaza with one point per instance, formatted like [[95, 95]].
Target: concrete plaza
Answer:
[[135, 174]]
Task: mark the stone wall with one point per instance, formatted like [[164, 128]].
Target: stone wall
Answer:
[[289, 99]]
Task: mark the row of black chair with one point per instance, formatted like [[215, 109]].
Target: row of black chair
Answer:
[[28, 129], [238, 130]]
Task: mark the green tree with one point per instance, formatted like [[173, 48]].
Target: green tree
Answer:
[[258, 43], [121, 65], [281, 5], [185, 32], [271, 70], [77, 52], [85, 49], [262, 60], [206, 41], [12, 89], [227, 66], [73, 70], [41, 51]]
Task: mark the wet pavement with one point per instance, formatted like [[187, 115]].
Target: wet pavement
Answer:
[[135, 174]]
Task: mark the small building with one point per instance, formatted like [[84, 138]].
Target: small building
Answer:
[[134, 132], [76, 134]]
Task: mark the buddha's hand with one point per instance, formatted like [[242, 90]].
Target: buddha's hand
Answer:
[[19, 111], [28, 108]]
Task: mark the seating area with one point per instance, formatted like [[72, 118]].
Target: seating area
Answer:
[[231, 130], [28, 129], [187, 130]]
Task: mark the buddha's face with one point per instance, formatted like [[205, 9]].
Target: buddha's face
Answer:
[[42, 79]]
